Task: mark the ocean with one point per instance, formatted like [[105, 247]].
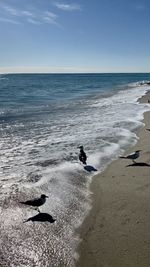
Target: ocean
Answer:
[[44, 118]]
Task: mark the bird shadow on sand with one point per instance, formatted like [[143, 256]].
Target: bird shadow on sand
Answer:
[[139, 164], [148, 129], [90, 168], [41, 217]]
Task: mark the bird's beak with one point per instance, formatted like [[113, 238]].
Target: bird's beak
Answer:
[[47, 196]]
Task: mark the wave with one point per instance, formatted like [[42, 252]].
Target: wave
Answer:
[[41, 156], [3, 77], [139, 83]]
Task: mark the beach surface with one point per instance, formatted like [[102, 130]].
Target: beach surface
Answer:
[[116, 233]]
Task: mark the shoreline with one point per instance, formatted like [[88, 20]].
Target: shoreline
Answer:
[[116, 231]]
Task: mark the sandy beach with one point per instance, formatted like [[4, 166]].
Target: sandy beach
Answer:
[[116, 232]]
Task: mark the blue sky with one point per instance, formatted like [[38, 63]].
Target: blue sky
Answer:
[[74, 36]]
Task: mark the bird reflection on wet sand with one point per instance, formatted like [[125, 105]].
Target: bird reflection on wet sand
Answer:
[[90, 168], [140, 164], [41, 217]]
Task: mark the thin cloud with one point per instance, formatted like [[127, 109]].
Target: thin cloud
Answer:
[[32, 21], [16, 12], [9, 10], [68, 7], [27, 13], [37, 17], [49, 17]]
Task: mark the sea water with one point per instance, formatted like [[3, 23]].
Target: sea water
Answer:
[[44, 118]]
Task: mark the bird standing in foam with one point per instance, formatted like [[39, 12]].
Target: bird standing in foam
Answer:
[[82, 155], [37, 202]]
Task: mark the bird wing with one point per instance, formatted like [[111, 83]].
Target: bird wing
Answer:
[[34, 202], [131, 155]]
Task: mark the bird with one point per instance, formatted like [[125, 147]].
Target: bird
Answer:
[[132, 156], [82, 155], [37, 202]]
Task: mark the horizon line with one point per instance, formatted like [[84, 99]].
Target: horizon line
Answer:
[[136, 72], [66, 70]]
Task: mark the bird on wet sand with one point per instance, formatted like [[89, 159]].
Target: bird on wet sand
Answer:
[[37, 202], [133, 156]]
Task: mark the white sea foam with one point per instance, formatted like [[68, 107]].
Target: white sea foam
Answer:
[[42, 157]]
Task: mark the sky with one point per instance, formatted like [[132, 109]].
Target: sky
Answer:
[[74, 36]]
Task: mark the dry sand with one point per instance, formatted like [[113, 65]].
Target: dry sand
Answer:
[[116, 232]]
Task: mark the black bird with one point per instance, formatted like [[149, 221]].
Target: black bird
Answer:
[[37, 202], [133, 156], [41, 217], [82, 155]]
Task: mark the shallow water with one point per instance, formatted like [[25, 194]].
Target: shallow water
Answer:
[[43, 119]]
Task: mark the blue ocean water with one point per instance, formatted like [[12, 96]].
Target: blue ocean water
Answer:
[[43, 120]]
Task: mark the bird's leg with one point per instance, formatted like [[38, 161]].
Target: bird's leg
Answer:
[[38, 209]]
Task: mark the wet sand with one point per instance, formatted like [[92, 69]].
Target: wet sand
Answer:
[[116, 232]]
